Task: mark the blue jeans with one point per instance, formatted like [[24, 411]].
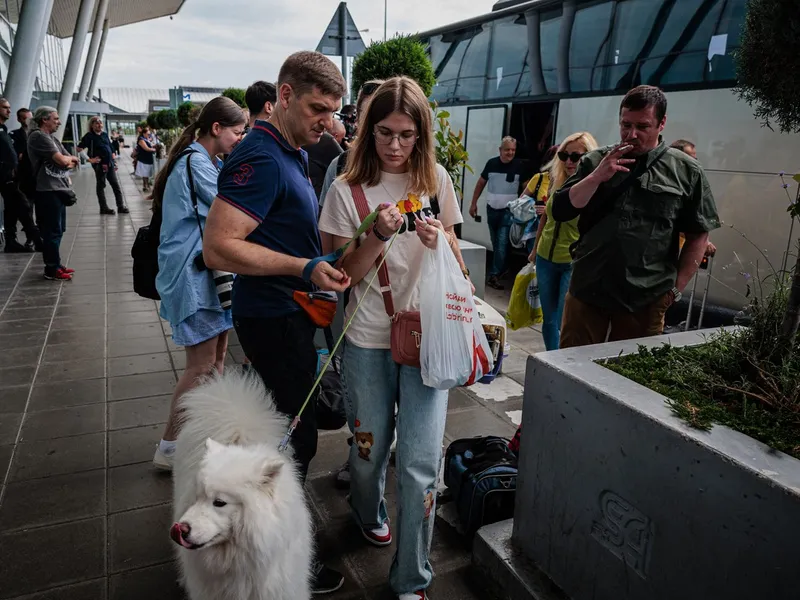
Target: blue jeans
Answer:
[[375, 383], [51, 216], [499, 222], [553, 285]]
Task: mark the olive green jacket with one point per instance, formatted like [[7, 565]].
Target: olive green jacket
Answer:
[[627, 255]]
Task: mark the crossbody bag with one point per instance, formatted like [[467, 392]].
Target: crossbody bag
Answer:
[[406, 328]]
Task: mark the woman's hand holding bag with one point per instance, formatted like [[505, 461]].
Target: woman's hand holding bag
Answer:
[[454, 350]]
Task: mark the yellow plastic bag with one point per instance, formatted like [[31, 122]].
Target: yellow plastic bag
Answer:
[[525, 307]]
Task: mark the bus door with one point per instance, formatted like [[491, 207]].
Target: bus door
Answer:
[[486, 126]]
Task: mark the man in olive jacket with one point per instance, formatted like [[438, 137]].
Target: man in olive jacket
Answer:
[[634, 200]]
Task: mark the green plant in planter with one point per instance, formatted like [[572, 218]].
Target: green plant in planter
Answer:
[[739, 378], [152, 120], [235, 94], [167, 119], [450, 151], [402, 55], [185, 113]]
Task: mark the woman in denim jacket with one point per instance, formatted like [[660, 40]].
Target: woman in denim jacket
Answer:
[[188, 296]]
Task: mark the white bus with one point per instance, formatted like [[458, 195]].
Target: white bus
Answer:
[[542, 69]]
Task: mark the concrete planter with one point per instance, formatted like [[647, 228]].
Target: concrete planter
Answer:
[[619, 499]]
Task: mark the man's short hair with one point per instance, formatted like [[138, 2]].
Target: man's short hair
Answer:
[[22, 111], [681, 144], [644, 96], [508, 140], [305, 70], [258, 94]]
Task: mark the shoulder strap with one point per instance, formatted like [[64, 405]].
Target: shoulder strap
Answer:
[[538, 185], [192, 191], [362, 207]]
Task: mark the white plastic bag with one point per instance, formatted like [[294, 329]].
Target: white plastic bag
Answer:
[[454, 350]]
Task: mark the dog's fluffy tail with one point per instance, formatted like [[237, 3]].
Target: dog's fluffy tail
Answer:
[[233, 408]]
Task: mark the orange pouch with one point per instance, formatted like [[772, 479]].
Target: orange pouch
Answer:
[[321, 309]]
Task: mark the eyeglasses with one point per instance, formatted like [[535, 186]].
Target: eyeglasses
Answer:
[[407, 138], [574, 156]]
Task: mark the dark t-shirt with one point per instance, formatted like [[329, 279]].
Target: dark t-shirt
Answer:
[[503, 181], [49, 176], [267, 179], [320, 157], [98, 146]]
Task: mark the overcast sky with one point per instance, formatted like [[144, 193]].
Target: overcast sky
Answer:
[[224, 43]]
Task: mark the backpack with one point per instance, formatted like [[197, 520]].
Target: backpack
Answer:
[[145, 250], [331, 415], [481, 474]]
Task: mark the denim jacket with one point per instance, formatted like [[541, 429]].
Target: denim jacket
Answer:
[[183, 288]]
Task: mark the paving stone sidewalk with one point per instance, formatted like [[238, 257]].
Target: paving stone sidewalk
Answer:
[[86, 372]]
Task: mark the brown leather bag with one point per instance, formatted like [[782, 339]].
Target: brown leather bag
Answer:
[[406, 325]]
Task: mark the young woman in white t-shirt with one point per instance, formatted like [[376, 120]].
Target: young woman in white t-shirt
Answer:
[[393, 160]]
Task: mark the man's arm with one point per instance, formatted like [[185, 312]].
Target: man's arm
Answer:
[[226, 249], [473, 208], [691, 256]]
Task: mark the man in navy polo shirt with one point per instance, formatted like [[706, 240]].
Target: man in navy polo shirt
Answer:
[[263, 227]]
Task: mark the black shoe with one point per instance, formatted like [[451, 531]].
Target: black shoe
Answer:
[[324, 580], [13, 246], [38, 245], [104, 210], [123, 210], [492, 282], [30, 246]]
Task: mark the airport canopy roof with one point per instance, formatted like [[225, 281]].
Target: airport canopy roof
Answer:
[[120, 12]]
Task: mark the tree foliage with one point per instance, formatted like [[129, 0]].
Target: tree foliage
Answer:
[[185, 113], [167, 119], [402, 55], [235, 94], [152, 120], [768, 62], [450, 150]]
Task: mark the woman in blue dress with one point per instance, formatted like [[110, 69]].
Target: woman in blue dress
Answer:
[[188, 296]]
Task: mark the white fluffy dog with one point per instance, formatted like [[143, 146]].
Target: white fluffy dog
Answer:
[[241, 519]]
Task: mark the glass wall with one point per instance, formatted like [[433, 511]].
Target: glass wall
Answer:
[[613, 46]]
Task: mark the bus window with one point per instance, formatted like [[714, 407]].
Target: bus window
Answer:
[[508, 60], [472, 75], [549, 28], [588, 43]]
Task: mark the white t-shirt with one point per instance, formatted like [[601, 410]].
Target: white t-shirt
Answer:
[[371, 327]]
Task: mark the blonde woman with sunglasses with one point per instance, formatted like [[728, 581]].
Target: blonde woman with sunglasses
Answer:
[[553, 239]]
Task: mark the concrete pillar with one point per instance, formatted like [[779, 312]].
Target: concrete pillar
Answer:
[[94, 45], [28, 42], [74, 62], [98, 61], [564, 42]]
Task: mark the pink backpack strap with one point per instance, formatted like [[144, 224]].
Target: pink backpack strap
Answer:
[[362, 207]]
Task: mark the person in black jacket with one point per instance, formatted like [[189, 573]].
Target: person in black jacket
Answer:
[[102, 156], [16, 204]]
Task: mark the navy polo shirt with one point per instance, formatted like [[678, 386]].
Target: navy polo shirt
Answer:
[[267, 179]]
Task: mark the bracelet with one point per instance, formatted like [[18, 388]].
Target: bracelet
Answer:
[[378, 234]]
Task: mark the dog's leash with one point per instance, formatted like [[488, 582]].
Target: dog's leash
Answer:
[[337, 254]]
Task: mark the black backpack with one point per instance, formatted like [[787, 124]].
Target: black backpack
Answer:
[[145, 249], [481, 474]]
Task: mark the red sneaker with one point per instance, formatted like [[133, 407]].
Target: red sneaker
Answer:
[[59, 275], [66, 270], [380, 536]]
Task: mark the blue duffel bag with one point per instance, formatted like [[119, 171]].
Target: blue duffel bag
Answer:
[[481, 474]]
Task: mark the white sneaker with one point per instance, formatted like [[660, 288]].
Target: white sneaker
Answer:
[[161, 461], [380, 536], [420, 595]]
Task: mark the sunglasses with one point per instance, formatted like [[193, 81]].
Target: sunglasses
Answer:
[[369, 88], [574, 156]]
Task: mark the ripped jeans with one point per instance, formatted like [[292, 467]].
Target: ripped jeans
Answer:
[[375, 383]]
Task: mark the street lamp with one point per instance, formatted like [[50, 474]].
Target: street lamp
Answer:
[[385, 9]]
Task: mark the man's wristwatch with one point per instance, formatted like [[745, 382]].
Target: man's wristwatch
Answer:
[[676, 295]]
